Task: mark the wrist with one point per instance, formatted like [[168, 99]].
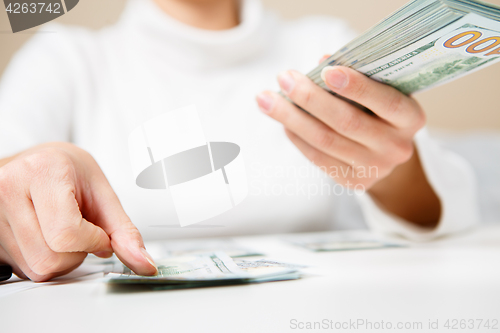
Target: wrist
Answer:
[[407, 193]]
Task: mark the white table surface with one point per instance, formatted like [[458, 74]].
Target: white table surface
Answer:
[[452, 278]]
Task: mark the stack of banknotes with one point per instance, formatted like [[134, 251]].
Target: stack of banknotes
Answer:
[[204, 270], [217, 262], [424, 44]]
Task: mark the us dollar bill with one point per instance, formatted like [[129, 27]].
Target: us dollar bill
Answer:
[[469, 44], [206, 269], [424, 44]]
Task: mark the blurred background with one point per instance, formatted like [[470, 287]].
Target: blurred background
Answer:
[[467, 104]]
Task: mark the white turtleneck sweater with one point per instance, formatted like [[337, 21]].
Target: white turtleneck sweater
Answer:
[[94, 88]]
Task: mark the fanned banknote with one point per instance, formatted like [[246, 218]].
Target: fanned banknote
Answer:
[[343, 241], [424, 44], [203, 270]]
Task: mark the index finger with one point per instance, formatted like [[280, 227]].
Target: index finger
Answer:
[[104, 209], [126, 239]]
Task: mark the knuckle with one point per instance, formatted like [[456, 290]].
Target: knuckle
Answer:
[[5, 185], [63, 239], [349, 123], [421, 119], [324, 140], [357, 87], [50, 162], [45, 263], [126, 231], [305, 96], [402, 152], [407, 152], [46, 159], [134, 232], [395, 104], [280, 112], [38, 160], [302, 94]]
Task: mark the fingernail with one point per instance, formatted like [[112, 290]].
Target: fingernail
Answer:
[[265, 102], [104, 254], [334, 77], [286, 81], [326, 56], [148, 257]]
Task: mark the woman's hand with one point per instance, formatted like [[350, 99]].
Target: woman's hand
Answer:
[[55, 207], [341, 135], [357, 149]]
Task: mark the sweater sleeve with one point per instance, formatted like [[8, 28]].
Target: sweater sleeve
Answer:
[[453, 180], [36, 94]]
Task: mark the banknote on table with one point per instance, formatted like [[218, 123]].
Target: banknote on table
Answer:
[[204, 270], [424, 44], [343, 241]]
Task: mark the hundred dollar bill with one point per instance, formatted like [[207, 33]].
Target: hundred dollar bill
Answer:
[[424, 44], [205, 270], [467, 45]]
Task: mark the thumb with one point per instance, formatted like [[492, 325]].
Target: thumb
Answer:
[[126, 239]]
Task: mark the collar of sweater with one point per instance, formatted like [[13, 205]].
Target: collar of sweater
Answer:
[[188, 48]]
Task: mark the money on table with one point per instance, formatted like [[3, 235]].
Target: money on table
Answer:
[[203, 270]]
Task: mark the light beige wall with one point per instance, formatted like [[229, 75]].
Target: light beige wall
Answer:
[[469, 103]]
